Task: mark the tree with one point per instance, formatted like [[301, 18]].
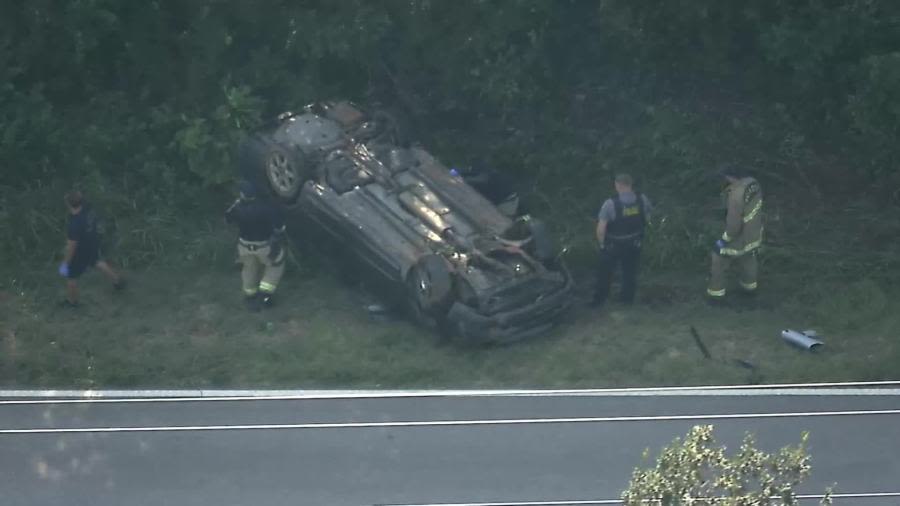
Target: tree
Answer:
[[697, 472]]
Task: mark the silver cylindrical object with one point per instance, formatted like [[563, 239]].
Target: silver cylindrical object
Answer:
[[801, 340]]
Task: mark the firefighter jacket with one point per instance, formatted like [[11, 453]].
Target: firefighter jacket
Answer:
[[257, 221], [743, 222]]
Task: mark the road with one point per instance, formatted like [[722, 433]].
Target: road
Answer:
[[512, 456]]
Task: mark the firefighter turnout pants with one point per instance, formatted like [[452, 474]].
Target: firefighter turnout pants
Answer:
[[719, 266], [260, 273]]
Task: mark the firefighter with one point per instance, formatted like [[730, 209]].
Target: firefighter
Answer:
[[620, 231], [82, 249], [261, 247], [742, 237]]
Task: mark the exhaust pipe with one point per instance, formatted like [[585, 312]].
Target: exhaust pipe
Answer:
[[805, 340]]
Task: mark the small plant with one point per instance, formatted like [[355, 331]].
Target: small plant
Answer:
[[695, 471]]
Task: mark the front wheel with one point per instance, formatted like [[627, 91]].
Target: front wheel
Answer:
[[429, 287]]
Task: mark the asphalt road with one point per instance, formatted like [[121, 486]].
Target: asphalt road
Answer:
[[358, 466]]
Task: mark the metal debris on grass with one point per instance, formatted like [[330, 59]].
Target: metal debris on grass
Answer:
[[806, 339]]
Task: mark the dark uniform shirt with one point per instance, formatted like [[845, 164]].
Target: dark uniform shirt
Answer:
[[257, 220], [625, 215], [82, 228]]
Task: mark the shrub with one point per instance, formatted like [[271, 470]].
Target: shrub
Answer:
[[695, 471]]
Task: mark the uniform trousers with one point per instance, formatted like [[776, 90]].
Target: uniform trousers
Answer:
[[626, 254]]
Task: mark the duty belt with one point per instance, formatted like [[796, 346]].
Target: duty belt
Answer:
[[624, 238], [253, 245]]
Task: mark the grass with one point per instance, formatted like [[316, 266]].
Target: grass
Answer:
[[830, 264], [186, 327]]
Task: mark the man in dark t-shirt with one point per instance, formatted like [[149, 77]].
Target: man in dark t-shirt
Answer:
[[82, 247]]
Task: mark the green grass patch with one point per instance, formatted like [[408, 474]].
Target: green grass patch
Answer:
[[186, 327], [829, 263]]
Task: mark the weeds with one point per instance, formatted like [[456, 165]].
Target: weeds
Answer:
[[824, 266], [184, 327]]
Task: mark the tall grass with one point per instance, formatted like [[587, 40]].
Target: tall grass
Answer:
[[137, 230], [829, 263]]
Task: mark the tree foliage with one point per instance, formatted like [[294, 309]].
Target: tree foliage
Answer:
[[147, 99], [696, 471]]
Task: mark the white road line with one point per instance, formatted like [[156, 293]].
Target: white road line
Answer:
[[449, 423], [802, 497], [136, 396]]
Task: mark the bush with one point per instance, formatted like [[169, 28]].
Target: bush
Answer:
[[695, 471]]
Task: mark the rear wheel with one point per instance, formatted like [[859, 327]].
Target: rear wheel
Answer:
[[273, 167], [534, 237], [543, 245]]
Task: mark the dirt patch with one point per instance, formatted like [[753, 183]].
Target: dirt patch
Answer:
[[296, 329], [659, 295], [209, 312], [203, 334]]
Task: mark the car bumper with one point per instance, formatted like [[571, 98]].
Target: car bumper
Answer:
[[513, 325]]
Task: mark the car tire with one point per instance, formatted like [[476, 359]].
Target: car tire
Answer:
[[543, 246], [429, 287], [273, 167]]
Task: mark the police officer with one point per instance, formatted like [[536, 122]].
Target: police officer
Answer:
[[742, 237], [260, 245], [620, 230]]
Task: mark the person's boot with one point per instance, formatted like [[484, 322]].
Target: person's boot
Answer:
[[268, 299], [253, 303]]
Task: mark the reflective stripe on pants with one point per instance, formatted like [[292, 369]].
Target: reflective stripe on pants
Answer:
[[259, 272], [719, 265], [732, 252]]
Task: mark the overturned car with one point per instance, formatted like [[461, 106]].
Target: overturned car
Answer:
[[459, 263]]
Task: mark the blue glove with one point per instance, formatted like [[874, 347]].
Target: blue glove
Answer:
[[719, 245], [454, 172], [64, 270]]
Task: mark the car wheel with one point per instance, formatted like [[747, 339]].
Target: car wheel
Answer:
[[429, 289], [543, 246], [272, 166]]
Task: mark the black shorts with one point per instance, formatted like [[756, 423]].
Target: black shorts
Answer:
[[82, 262]]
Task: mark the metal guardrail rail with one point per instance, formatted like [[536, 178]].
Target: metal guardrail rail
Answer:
[[25, 396], [447, 423]]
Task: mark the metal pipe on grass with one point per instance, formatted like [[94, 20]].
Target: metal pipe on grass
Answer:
[[805, 340]]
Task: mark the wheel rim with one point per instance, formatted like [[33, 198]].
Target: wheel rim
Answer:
[[423, 290], [282, 174]]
